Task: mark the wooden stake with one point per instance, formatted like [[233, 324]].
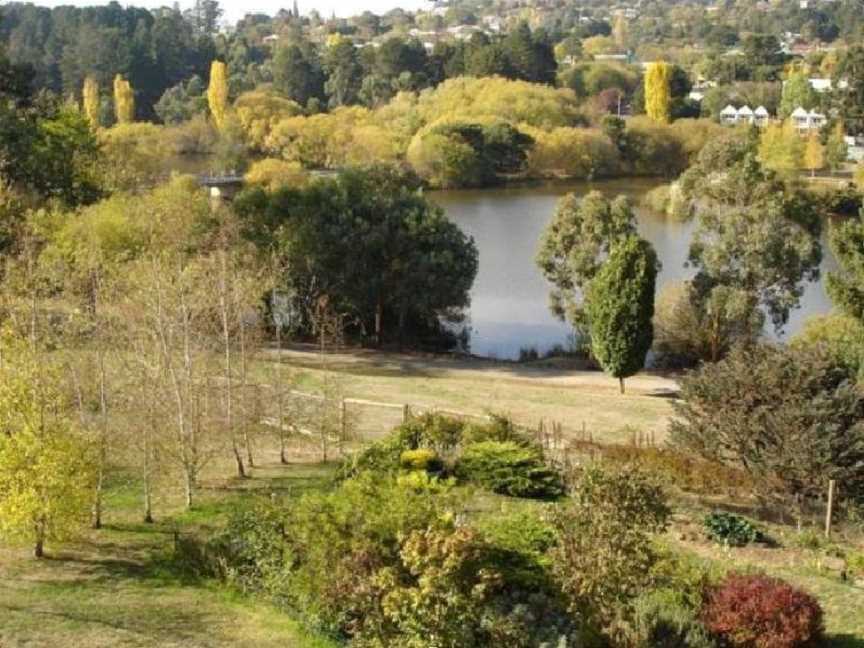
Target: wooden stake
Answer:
[[830, 511]]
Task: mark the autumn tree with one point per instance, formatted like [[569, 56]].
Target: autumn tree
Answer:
[[575, 245], [124, 101], [814, 154], [217, 93], [781, 148], [658, 94], [46, 474], [92, 101], [620, 307]]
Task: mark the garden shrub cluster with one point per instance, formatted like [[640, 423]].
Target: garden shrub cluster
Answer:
[[494, 455], [395, 554], [730, 529]]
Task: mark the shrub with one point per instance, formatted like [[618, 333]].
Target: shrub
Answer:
[[730, 529], [755, 611], [423, 459], [499, 428], [662, 619], [431, 430], [604, 555], [794, 419], [508, 468]]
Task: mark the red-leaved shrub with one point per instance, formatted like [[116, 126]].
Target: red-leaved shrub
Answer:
[[751, 611]]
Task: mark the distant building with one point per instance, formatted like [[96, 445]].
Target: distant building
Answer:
[[731, 115], [806, 121]]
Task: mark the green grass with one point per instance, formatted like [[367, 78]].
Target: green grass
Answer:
[[116, 586]]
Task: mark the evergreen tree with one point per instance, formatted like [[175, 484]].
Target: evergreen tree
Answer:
[[846, 286], [658, 95], [217, 93], [124, 101], [620, 305]]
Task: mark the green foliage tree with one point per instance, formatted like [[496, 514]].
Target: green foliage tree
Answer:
[[840, 336], [620, 307], [574, 245], [387, 257], [836, 150], [792, 419], [753, 233], [846, 286], [797, 93], [182, 102], [297, 74]]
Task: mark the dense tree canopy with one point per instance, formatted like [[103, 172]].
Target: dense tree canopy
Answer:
[[385, 258]]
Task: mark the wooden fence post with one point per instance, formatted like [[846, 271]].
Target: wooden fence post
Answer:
[[830, 511], [343, 423], [406, 412]]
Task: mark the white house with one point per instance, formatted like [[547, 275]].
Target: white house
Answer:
[[744, 115], [805, 121], [729, 115]]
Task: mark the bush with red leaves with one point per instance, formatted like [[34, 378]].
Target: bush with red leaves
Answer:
[[752, 611]]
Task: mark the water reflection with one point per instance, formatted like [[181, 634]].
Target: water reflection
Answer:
[[509, 308]]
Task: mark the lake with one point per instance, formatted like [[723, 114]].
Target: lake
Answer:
[[509, 301]]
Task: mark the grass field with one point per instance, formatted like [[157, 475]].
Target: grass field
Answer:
[[117, 587], [547, 391]]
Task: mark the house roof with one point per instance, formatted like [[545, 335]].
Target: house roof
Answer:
[[745, 110], [761, 111], [729, 110], [799, 112]]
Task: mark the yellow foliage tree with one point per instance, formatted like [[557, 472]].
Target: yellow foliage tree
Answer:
[[124, 100], [814, 154], [658, 96], [781, 148], [620, 30], [90, 95], [272, 173], [217, 93], [46, 472], [859, 176]]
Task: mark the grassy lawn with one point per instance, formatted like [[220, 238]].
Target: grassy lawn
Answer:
[[114, 587], [529, 393]]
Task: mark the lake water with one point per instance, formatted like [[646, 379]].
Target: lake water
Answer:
[[509, 301]]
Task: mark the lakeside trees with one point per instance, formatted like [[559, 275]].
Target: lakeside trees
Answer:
[[413, 267]]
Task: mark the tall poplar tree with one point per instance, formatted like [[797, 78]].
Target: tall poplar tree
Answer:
[[217, 93], [658, 94], [620, 307], [90, 94], [124, 100]]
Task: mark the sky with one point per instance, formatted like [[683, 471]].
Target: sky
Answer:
[[236, 9]]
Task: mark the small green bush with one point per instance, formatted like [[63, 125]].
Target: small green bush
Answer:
[[855, 564], [663, 619], [730, 529], [508, 468], [424, 459], [499, 428], [430, 430]]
